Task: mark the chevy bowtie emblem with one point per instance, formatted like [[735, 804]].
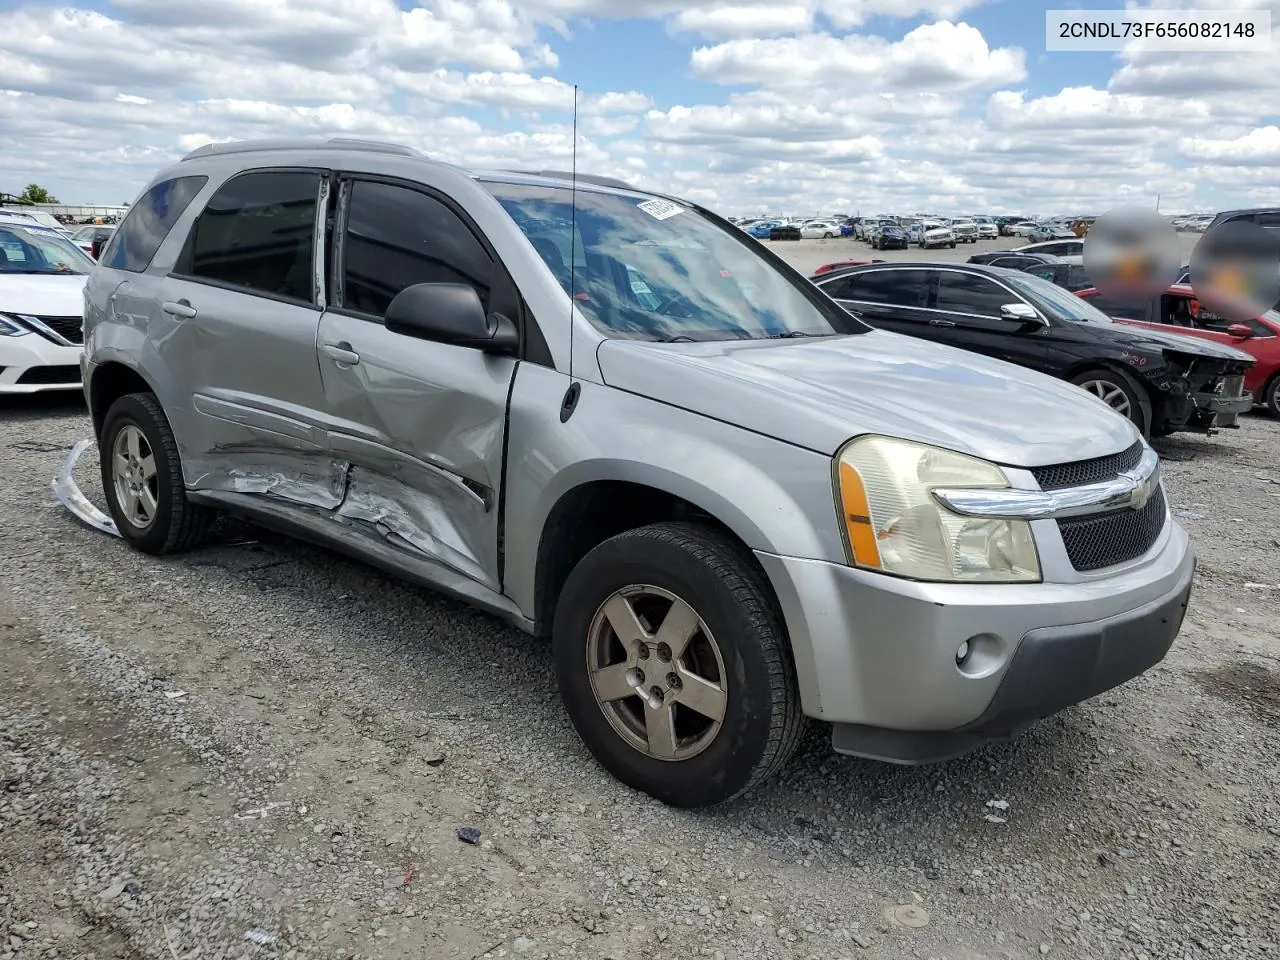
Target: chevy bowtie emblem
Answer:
[[1141, 492]]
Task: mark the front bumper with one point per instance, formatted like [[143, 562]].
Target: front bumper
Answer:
[[876, 655], [32, 364]]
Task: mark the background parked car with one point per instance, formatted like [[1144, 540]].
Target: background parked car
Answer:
[[934, 233], [1012, 259], [1051, 230], [1161, 381], [841, 264], [889, 237], [820, 229], [761, 228], [1179, 309], [1069, 274], [85, 237], [785, 231], [1058, 248], [964, 231]]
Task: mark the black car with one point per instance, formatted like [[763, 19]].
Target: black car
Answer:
[[788, 231], [1163, 382], [1008, 258], [889, 238]]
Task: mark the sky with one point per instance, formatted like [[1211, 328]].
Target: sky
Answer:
[[747, 106]]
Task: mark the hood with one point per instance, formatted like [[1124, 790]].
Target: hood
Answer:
[[1144, 338], [819, 393], [42, 295], [929, 230]]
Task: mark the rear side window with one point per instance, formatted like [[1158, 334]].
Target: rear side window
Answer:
[[397, 237], [148, 222], [1270, 219], [900, 288], [258, 233], [1124, 309]]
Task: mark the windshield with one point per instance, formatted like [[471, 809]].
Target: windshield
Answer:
[[652, 269], [1052, 298], [36, 249]]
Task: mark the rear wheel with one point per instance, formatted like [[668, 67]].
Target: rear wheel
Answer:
[[674, 664], [142, 479], [1121, 392]]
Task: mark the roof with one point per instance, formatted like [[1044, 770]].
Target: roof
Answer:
[[386, 148], [982, 268]]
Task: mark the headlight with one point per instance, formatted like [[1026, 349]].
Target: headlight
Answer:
[[10, 327], [893, 523]]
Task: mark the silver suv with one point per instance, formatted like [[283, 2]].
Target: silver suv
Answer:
[[615, 420]]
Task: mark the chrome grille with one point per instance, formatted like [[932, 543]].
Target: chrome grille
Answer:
[[1077, 474], [1105, 539]]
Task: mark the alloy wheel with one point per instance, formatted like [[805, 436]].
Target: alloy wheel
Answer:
[[657, 672], [1110, 394], [133, 472]]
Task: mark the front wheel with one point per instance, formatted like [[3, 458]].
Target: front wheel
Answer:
[[1121, 392], [953, 244], [1271, 395], [142, 479], [673, 663]]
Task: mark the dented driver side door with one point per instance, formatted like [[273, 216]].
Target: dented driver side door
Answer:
[[420, 423]]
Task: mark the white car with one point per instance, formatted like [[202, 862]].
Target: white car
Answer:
[[987, 229], [42, 277], [819, 229], [47, 220], [1058, 248], [966, 231], [933, 233], [1024, 229]]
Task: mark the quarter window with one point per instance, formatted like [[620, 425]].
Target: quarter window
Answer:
[[397, 237], [148, 222], [258, 232], [971, 293]]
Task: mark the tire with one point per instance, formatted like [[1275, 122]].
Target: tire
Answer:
[[136, 427], [748, 654], [827, 235], [1102, 381], [1271, 395], [953, 244]]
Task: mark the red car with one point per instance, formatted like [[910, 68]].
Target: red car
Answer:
[[841, 264], [1179, 309]]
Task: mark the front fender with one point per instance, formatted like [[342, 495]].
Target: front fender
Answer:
[[775, 497]]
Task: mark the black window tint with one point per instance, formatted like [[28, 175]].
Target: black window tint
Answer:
[[901, 288], [148, 222], [1124, 309], [397, 237], [840, 288], [971, 293], [1271, 219], [1077, 278], [258, 232], [1015, 263]]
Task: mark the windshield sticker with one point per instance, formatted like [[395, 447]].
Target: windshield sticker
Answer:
[[660, 209]]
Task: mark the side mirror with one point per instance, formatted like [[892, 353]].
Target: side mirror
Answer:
[[1241, 331], [450, 313], [1022, 313]]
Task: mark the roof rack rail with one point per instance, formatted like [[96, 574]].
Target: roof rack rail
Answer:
[[584, 177], [331, 143]]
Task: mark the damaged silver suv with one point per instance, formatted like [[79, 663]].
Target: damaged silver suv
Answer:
[[615, 420]]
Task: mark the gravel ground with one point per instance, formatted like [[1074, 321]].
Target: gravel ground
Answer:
[[262, 749]]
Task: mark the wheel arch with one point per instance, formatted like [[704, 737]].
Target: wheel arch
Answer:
[[593, 510], [1148, 391], [108, 382]]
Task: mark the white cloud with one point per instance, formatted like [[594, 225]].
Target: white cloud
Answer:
[[934, 57], [737, 21], [1260, 147]]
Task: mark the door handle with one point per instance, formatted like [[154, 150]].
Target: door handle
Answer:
[[181, 309], [340, 353], [933, 322]]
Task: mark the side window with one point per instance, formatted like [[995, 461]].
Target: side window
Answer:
[[258, 232], [397, 237], [971, 293], [897, 288], [148, 222], [1269, 219], [1124, 309], [841, 288], [1044, 270]]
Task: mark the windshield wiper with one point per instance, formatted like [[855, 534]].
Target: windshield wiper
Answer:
[[792, 334], [680, 338]]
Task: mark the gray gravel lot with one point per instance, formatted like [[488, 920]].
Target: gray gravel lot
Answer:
[[262, 749]]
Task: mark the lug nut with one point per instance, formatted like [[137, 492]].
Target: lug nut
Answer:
[[673, 681], [664, 652]]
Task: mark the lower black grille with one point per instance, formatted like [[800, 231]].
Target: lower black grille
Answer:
[[1106, 539], [50, 375], [69, 328], [1087, 471]]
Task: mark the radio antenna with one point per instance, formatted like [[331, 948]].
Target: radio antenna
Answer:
[[573, 223]]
